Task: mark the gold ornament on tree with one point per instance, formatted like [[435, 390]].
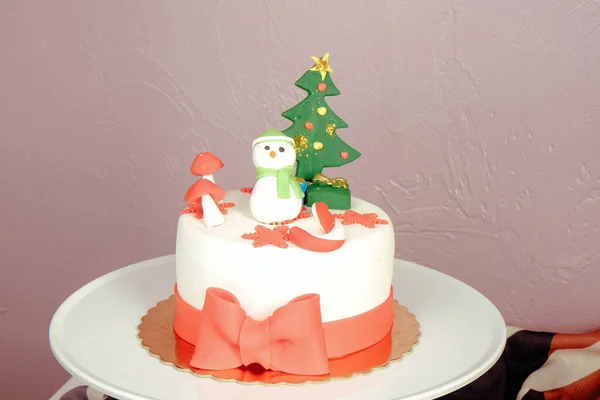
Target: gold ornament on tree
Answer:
[[330, 130], [300, 143]]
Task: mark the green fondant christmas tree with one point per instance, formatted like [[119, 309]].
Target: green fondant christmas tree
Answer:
[[315, 132]]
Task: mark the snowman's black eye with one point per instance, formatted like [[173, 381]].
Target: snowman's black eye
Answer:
[[281, 149], [267, 148]]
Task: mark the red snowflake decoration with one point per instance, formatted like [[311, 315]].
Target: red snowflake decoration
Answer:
[[224, 206], [367, 220], [196, 208], [263, 236], [192, 208], [247, 190]]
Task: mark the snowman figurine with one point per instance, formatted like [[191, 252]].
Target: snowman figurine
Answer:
[[276, 196]]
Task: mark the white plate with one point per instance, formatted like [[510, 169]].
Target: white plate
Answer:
[[94, 336]]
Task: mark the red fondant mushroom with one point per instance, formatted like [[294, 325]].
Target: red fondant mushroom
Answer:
[[207, 194], [205, 165]]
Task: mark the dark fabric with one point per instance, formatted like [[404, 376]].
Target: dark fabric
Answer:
[[535, 395], [78, 393], [525, 352]]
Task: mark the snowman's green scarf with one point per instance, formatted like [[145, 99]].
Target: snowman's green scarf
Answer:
[[285, 179]]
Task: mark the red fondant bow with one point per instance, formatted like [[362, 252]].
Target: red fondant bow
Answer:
[[291, 340]]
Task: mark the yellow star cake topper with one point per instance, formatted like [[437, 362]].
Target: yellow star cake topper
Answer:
[[322, 65]]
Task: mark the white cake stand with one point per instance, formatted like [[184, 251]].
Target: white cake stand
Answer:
[[94, 337]]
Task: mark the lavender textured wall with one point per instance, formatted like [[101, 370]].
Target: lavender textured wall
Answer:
[[478, 123]]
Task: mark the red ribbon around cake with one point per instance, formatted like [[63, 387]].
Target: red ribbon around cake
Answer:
[[291, 340]]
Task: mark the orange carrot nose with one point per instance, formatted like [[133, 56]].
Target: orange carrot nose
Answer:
[[272, 154]]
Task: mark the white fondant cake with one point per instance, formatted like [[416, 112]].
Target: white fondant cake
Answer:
[[350, 280], [262, 281]]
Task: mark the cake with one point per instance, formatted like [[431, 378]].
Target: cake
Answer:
[[293, 271]]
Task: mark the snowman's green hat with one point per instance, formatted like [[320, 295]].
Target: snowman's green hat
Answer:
[[271, 135]]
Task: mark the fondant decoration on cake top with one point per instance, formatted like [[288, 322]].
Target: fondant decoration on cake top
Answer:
[[303, 214], [302, 182], [324, 217], [338, 182], [205, 165], [322, 67], [331, 191], [204, 195], [224, 206], [333, 238], [368, 220], [192, 208], [314, 131], [278, 342], [277, 195], [263, 236], [196, 208], [303, 187]]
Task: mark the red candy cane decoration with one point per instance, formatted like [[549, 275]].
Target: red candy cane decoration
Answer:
[[333, 239]]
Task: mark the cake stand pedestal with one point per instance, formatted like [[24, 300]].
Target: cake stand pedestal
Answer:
[[93, 335]]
